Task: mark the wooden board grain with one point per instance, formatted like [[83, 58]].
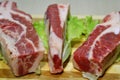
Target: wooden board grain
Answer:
[[112, 73]]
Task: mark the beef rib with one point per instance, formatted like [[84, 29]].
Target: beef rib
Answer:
[[56, 17], [101, 48], [21, 46]]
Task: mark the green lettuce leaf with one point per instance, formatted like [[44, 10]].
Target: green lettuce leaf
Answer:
[[1, 57], [77, 30], [118, 58], [90, 24], [66, 51], [40, 29]]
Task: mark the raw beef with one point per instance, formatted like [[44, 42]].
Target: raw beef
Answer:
[[20, 43], [101, 48], [56, 17]]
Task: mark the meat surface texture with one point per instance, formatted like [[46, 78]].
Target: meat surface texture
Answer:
[[21, 46], [101, 48], [56, 17]]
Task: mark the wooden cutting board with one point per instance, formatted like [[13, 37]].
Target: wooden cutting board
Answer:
[[112, 73]]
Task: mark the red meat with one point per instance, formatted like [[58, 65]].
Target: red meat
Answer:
[[21, 46], [101, 48], [56, 17]]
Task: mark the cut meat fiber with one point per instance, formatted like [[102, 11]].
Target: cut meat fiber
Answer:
[[56, 17], [101, 48], [21, 46]]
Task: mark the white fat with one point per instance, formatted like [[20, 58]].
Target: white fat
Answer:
[[89, 76], [35, 64], [14, 65], [115, 28], [41, 46], [63, 12], [51, 64], [9, 5], [95, 67], [10, 42], [55, 44]]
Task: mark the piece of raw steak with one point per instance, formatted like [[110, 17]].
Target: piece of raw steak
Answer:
[[20, 43], [56, 17], [101, 48]]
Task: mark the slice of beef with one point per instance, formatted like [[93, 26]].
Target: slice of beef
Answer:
[[101, 48], [21, 46], [56, 17]]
